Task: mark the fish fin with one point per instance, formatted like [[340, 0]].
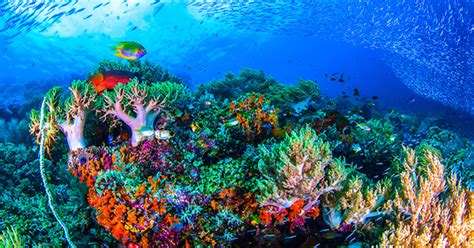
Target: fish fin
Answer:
[[100, 88], [124, 57], [117, 47]]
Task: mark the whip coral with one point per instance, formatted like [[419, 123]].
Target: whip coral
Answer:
[[426, 211], [298, 171]]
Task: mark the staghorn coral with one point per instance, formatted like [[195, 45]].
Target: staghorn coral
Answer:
[[299, 170], [427, 213]]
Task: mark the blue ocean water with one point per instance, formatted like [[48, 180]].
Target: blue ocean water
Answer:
[[415, 57], [422, 48]]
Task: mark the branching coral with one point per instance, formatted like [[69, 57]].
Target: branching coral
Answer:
[[298, 171], [426, 211], [69, 115], [356, 208], [255, 115], [73, 116], [50, 128], [137, 105]]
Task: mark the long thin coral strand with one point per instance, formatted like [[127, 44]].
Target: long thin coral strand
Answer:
[[41, 162]]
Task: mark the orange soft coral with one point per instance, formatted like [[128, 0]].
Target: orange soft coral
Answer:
[[255, 115]]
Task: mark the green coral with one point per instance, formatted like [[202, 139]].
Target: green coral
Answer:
[[301, 166], [10, 238], [233, 86], [250, 81], [23, 203], [378, 143], [226, 174], [172, 92], [283, 95]]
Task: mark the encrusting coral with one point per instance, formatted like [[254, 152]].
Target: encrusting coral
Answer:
[[427, 212]]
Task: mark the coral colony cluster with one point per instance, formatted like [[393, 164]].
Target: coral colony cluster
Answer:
[[247, 161]]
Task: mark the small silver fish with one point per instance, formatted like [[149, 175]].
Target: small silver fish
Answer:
[[164, 134]]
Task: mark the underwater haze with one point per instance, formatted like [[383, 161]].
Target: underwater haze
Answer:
[[132, 123]]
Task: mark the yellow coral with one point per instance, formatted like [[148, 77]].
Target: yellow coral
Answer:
[[301, 168], [423, 216]]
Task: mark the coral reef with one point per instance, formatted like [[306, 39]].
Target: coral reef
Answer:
[[255, 115], [23, 204], [138, 105], [430, 207], [68, 116], [297, 172], [246, 161], [250, 81]]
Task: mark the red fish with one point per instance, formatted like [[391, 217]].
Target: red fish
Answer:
[[107, 80]]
